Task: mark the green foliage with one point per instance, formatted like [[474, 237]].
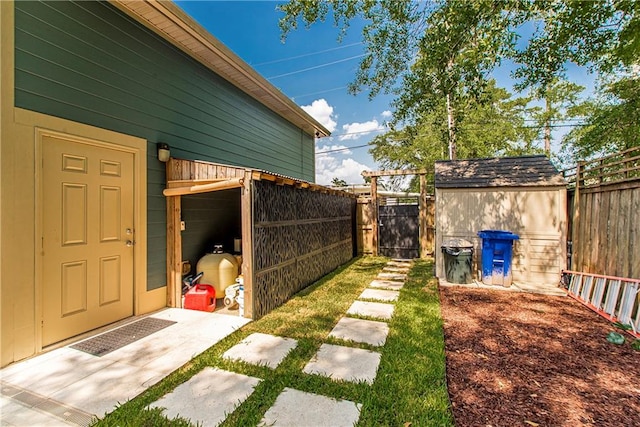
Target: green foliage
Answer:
[[612, 121], [337, 182], [488, 125], [436, 58]]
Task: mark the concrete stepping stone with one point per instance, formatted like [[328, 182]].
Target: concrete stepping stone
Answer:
[[386, 284], [294, 408], [392, 276], [208, 397], [399, 270], [261, 349], [377, 310], [360, 330], [344, 363], [379, 295], [399, 264]]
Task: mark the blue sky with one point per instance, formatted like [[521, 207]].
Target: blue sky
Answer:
[[313, 69]]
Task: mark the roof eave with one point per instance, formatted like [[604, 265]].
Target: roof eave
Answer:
[[171, 23]]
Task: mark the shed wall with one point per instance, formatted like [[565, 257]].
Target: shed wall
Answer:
[[90, 63], [537, 215], [299, 236]]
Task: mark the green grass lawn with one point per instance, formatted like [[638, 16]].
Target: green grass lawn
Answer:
[[410, 386]]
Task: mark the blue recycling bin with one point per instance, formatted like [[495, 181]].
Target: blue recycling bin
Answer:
[[497, 254]]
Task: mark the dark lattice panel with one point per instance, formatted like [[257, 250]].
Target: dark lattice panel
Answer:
[[299, 236]]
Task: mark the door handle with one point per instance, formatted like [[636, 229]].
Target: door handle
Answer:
[[129, 243]]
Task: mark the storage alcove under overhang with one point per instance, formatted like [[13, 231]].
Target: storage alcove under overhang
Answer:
[[293, 232]]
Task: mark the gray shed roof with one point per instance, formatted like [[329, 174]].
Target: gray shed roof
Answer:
[[525, 171]]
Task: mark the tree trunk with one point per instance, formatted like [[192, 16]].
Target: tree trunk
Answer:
[[452, 131], [547, 127]]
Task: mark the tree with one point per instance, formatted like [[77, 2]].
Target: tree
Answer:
[[612, 121], [560, 101], [425, 52], [441, 52], [337, 182], [491, 124]]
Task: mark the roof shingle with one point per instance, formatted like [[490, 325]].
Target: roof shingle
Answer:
[[524, 171]]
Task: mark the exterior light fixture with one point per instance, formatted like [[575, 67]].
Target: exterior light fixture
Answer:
[[163, 152]]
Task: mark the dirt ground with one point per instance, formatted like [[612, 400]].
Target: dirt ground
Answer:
[[517, 359]]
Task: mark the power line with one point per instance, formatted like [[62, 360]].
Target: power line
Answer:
[[307, 54], [319, 92], [316, 67], [336, 150]]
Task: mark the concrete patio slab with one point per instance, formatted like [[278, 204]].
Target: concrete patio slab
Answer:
[[344, 363], [386, 284], [318, 411], [208, 397], [96, 385], [359, 330], [261, 349], [392, 276], [377, 310], [379, 295]]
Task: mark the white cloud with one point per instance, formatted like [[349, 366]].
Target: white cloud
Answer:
[[356, 130], [323, 113], [386, 114], [329, 167]]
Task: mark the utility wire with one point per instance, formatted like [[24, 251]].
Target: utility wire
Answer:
[[316, 67], [307, 54], [319, 92]]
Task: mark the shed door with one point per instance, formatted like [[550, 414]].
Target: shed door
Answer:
[[399, 232], [87, 237]]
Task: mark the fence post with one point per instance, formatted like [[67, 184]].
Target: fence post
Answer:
[[575, 228], [374, 206]]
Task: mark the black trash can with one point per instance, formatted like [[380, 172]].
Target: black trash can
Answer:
[[458, 256]]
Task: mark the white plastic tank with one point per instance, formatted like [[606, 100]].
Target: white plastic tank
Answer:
[[220, 270]]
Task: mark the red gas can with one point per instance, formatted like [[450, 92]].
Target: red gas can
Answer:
[[201, 297]]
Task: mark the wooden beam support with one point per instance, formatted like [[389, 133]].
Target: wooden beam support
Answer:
[[174, 252], [374, 207], [204, 188], [246, 213]]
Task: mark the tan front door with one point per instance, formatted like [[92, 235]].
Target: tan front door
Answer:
[[88, 237]]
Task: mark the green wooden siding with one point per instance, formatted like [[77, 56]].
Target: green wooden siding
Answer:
[[90, 63]]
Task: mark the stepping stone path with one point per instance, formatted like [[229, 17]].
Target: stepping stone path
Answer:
[[261, 349], [344, 363], [359, 330], [209, 396], [318, 411], [379, 295], [386, 284]]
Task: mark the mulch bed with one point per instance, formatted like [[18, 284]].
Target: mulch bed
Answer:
[[525, 360]]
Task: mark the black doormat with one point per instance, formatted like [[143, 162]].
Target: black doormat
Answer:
[[118, 338]]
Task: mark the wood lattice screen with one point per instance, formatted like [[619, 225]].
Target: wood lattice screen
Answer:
[[299, 236]]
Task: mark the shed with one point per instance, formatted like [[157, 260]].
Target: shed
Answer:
[[525, 195]]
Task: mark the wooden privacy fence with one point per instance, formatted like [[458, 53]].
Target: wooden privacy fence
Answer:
[[604, 214]]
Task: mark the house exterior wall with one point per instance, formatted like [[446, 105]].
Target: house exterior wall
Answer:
[[538, 215], [90, 63], [87, 70]]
